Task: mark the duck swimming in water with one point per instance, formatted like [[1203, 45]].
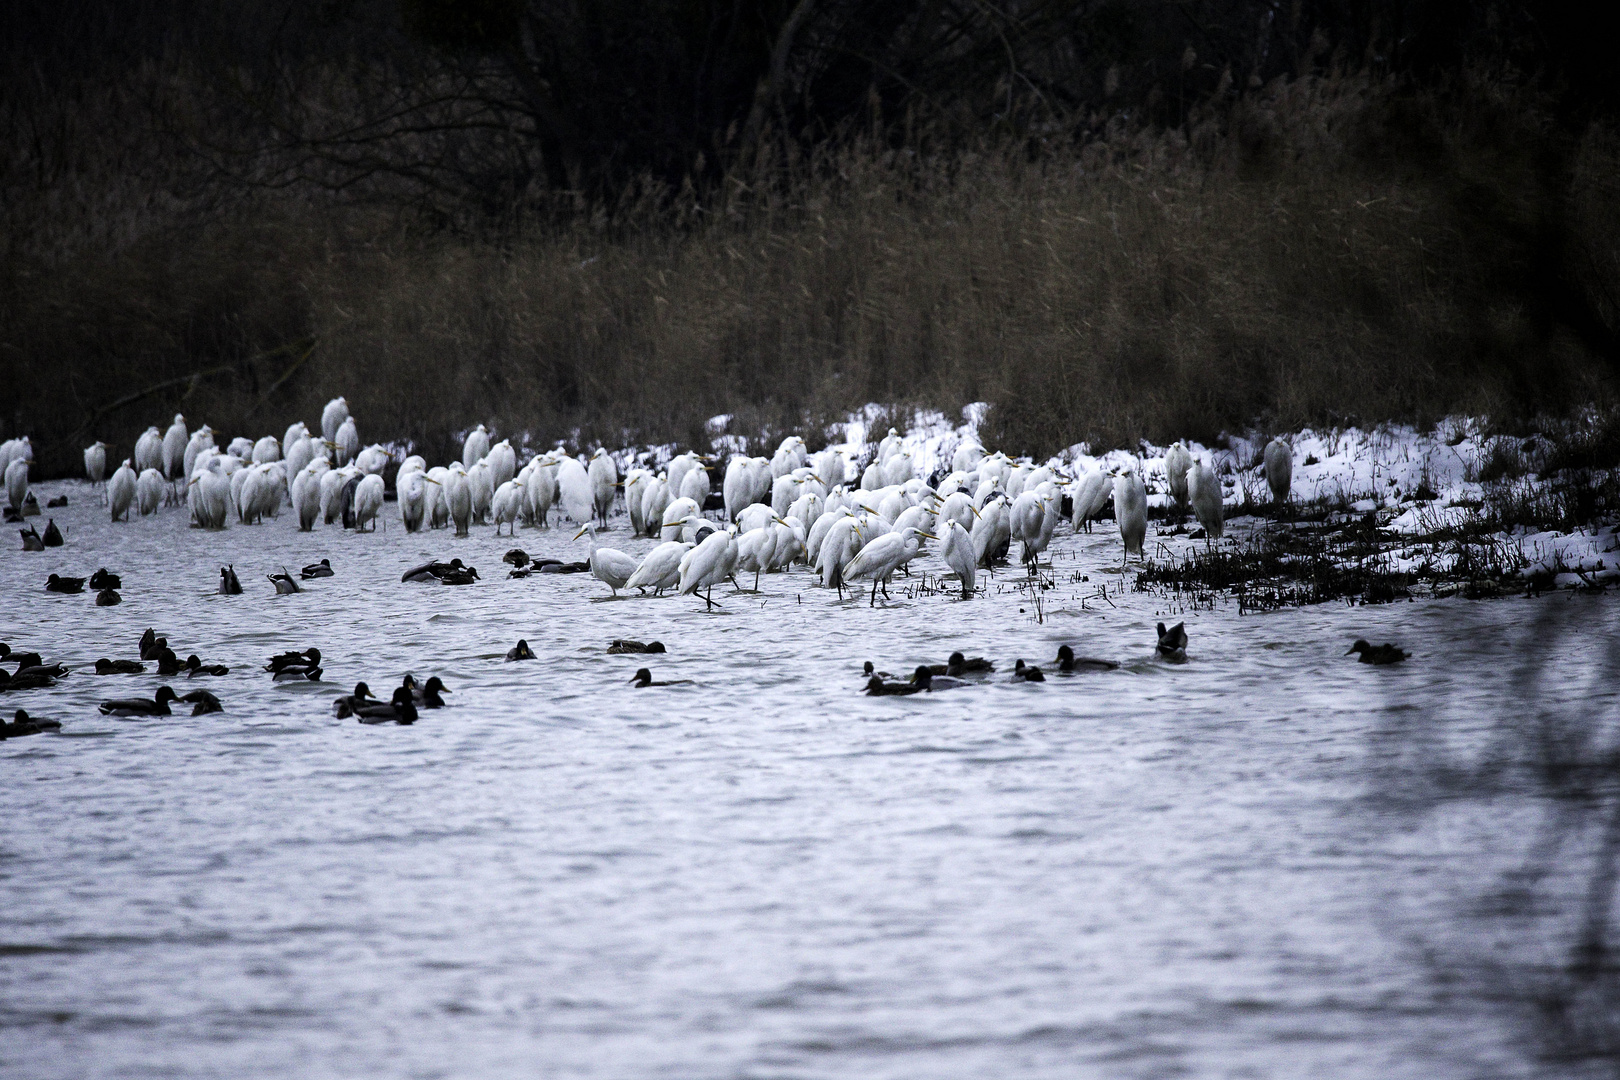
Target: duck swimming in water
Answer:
[[1027, 673], [1068, 663], [956, 665], [151, 645], [158, 706], [876, 687], [284, 582], [229, 584], [516, 557], [1173, 642], [400, 710], [436, 570], [24, 660], [464, 576], [521, 651], [168, 663], [64, 584], [106, 579], [869, 670], [624, 645], [105, 666], [23, 724], [108, 598], [36, 668], [925, 679], [643, 677], [31, 539], [316, 570], [1378, 654], [310, 657], [53, 535], [195, 666], [427, 695], [9, 682], [343, 707], [204, 701]]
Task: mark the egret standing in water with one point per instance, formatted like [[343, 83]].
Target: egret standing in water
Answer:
[[604, 477], [879, 559], [458, 497], [1204, 492], [608, 565], [1176, 463], [661, 569], [121, 491], [475, 446], [1130, 507], [709, 563], [174, 448], [17, 483], [368, 502], [1279, 471], [348, 441], [95, 462], [956, 548], [332, 417]]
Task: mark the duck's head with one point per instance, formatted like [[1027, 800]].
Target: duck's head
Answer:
[[314, 655], [956, 659], [867, 669], [1360, 646], [361, 690], [922, 676], [655, 646], [1065, 654], [642, 677], [435, 685], [165, 694]]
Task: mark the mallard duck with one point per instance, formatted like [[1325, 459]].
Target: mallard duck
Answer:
[[310, 657], [316, 570], [284, 582], [876, 687], [1027, 673], [521, 651], [465, 576], [643, 677], [427, 695], [9, 682], [57, 584], [1378, 654], [53, 535], [158, 706], [168, 663], [957, 665], [343, 707], [195, 666], [106, 579], [400, 709], [624, 645], [229, 584], [1068, 663], [108, 598], [105, 666], [203, 701], [1173, 642], [151, 645], [925, 679], [23, 724], [516, 557]]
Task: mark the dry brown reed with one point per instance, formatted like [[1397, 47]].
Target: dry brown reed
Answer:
[[1283, 262]]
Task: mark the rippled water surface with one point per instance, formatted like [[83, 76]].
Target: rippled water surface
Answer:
[[1167, 869]]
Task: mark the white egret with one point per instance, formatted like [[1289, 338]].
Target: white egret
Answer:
[[818, 532], [737, 486], [543, 489], [412, 488], [808, 508], [838, 546], [482, 490], [502, 462], [790, 539], [957, 507], [754, 516], [1279, 470], [992, 532], [436, 499], [174, 448], [266, 450], [873, 477], [330, 482], [784, 489], [1130, 511], [248, 488], [956, 548], [348, 441], [635, 486], [889, 447], [476, 445], [306, 493], [148, 491], [332, 417], [1027, 521], [754, 550], [574, 490], [121, 491], [300, 452], [653, 505], [789, 456], [458, 498], [368, 502], [695, 485], [95, 462], [214, 494], [830, 467], [17, 483], [709, 563], [878, 559], [608, 565], [241, 448], [661, 569], [149, 450], [675, 516], [372, 460], [1204, 492], [1016, 481], [505, 505], [1176, 463], [1088, 497], [679, 466], [295, 431], [201, 439], [967, 457]]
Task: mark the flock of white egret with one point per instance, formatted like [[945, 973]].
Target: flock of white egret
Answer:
[[848, 524]]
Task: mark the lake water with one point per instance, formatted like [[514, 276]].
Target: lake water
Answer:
[[1200, 869]]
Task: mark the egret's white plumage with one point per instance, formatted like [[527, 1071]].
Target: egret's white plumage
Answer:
[[174, 448], [266, 450], [348, 441], [458, 497], [675, 516], [332, 417], [202, 439], [149, 450], [1176, 463], [481, 488], [956, 548], [1279, 470], [17, 483], [879, 558], [574, 490], [502, 462], [608, 565], [661, 569], [372, 460], [411, 486], [476, 445], [709, 563], [121, 491], [543, 489], [1130, 511], [306, 493], [504, 507], [754, 550], [635, 486], [436, 498], [95, 462], [1204, 492], [295, 431], [368, 502], [148, 491], [695, 485], [299, 453]]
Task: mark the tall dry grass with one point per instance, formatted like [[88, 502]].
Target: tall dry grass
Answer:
[[1285, 262]]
